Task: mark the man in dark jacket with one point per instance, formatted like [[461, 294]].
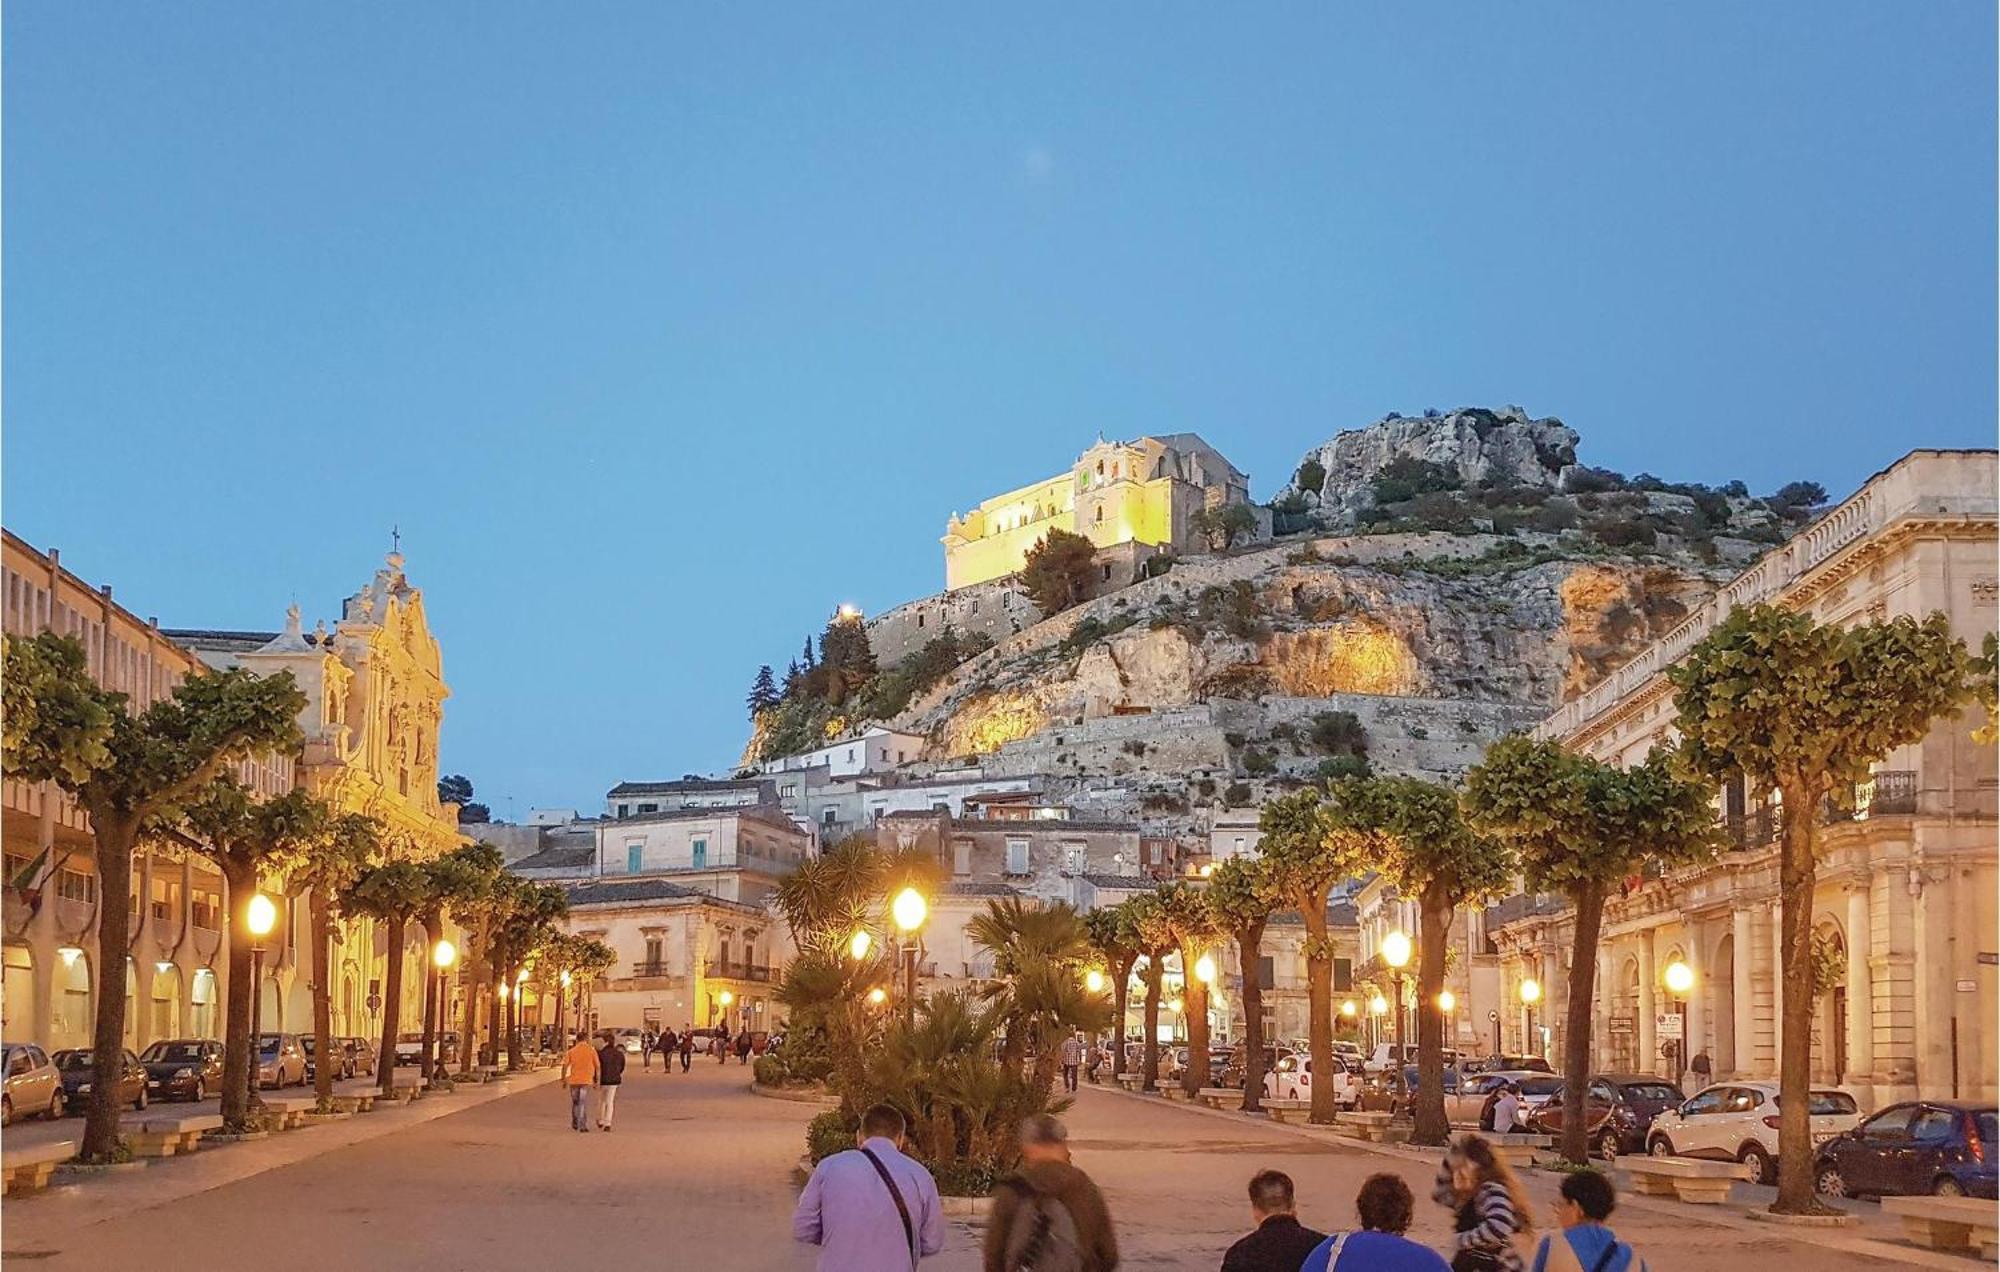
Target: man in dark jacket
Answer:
[[1280, 1242], [670, 1044], [610, 1072], [1047, 1186]]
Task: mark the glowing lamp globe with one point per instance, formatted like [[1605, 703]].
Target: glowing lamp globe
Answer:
[[1531, 992], [877, 996], [1093, 980], [909, 909], [1680, 977], [1446, 1001], [261, 916], [725, 998], [1348, 1008], [1204, 970], [1378, 1005], [857, 945], [444, 954], [1396, 950]]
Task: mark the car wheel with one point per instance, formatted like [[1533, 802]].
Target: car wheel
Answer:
[[1828, 1183], [1660, 1146], [139, 1100], [57, 1104], [1762, 1169], [6, 1110], [200, 1092], [1607, 1145], [1946, 1186]]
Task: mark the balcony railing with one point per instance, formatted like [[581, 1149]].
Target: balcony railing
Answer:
[[651, 967], [737, 971], [1885, 794]]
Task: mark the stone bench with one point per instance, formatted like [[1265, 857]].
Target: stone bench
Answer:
[[1213, 1097], [354, 1101], [27, 1169], [1692, 1179], [1281, 1111], [165, 1136], [283, 1112], [487, 1072], [1948, 1223], [1173, 1090], [1376, 1128], [1517, 1149], [1131, 1081]]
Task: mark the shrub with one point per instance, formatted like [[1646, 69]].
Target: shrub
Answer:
[[1554, 516], [1237, 795], [1339, 733], [1259, 763], [770, 1071], [829, 1133], [1235, 607], [1206, 788], [1134, 747], [966, 1178], [1419, 732], [1440, 510], [1164, 802], [1310, 476], [1157, 565], [1587, 480], [1625, 534], [1085, 634], [1235, 741], [1344, 766]]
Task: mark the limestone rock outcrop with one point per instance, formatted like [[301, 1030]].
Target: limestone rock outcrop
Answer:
[[1480, 447]]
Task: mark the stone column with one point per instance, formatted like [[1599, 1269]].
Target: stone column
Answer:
[[1934, 990], [1860, 990], [1648, 1059], [1743, 1004]]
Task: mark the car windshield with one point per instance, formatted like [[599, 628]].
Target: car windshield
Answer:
[[1658, 1092], [1540, 1086], [409, 1037], [164, 1052], [268, 1044], [70, 1061], [1826, 1103]]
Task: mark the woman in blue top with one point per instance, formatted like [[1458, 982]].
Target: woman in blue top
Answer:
[[1585, 1244], [1385, 1204]]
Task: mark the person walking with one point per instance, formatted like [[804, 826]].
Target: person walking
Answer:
[[1384, 1207], [647, 1040], [871, 1208], [1280, 1242], [743, 1042], [1072, 1059], [1585, 1244], [1701, 1067], [1490, 1207], [610, 1073], [669, 1044], [687, 1047], [719, 1045], [580, 1076], [1048, 1214]]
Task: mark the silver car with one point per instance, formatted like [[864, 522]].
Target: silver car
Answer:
[[32, 1087]]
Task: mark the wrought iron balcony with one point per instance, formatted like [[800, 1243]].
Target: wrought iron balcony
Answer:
[[737, 971], [653, 967], [1887, 793]]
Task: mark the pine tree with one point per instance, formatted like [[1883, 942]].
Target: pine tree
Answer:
[[792, 678], [808, 662], [763, 692]]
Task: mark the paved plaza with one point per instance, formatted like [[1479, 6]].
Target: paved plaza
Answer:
[[697, 1170]]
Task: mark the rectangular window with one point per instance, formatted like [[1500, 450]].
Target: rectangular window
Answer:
[[1343, 975], [624, 809], [635, 856], [207, 908], [1017, 856], [698, 855], [1075, 858], [649, 808], [654, 962], [1267, 972], [961, 858], [74, 885], [166, 899], [829, 816]]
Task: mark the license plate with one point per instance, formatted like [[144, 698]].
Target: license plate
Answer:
[[1821, 1137], [154, 1085], [83, 1088]]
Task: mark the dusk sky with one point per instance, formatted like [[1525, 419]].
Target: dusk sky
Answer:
[[661, 330]]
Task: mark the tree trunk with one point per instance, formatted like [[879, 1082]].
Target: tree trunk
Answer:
[[1249, 945], [469, 1040], [496, 1010], [513, 1021], [1432, 1126], [238, 1062], [1154, 973], [1319, 1005], [1194, 1010], [115, 839], [322, 997], [1120, 995], [1796, 871], [1588, 901], [392, 1006], [434, 1004]]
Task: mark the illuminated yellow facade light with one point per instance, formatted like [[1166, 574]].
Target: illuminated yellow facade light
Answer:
[[1378, 1005]]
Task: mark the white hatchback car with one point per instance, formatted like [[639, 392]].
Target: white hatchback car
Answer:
[[1292, 1080], [1738, 1121]]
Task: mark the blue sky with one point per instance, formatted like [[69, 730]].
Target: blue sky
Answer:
[[662, 329]]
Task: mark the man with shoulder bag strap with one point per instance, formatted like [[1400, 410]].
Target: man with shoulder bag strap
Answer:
[[871, 1208]]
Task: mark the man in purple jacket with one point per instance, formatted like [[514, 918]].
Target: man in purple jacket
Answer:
[[871, 1209]]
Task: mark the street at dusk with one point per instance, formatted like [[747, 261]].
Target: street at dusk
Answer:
[[1330, 639]]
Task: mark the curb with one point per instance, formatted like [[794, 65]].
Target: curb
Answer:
[[802, 1096]]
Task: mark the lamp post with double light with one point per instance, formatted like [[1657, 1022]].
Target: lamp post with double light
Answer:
[[260, 916], [1396, 954]]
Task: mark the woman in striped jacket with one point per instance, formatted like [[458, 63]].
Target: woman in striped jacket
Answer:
[[1490, 1204]]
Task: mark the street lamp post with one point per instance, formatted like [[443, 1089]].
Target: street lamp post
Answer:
[[1680, 981], [1396, 953], [1531, 993], [261, 916], [443, 955], [909, 909]]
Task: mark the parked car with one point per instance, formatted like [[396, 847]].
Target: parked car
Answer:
[[1945, 1147], [1738, 1121], [1619, 1109], [343, 1063], [1384, 1058], [32, 1087], [182, 1068], [1474, 1088], [1350, 1055], [281, 1062], [77, 1068], [1230, 1074], [1508, 1064], [1292, 1079], [630, 1041], [362, 1054]]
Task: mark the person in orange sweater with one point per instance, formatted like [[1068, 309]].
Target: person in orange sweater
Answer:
[[580, 1076]]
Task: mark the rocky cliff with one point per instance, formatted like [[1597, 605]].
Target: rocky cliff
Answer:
[[1473, 447]]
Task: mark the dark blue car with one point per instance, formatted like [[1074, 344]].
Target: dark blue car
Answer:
[[1944, 1147]]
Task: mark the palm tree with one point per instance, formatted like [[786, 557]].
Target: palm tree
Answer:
[[1112, 936], [1242, 893], [1038, 957]]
